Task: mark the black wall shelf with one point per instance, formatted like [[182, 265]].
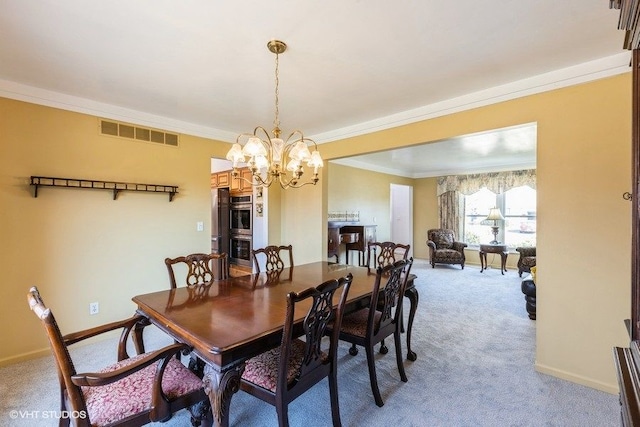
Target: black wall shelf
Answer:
[[92, 184]]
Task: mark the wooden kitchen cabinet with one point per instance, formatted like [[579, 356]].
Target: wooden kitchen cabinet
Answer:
[[239, 185], [220, 179]]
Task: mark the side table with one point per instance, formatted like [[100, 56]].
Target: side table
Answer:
[[493, 249]]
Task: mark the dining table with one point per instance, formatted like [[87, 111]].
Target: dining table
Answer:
[[237, 318]]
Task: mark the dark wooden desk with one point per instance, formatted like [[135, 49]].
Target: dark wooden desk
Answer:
[[493, 249], [241, 317]]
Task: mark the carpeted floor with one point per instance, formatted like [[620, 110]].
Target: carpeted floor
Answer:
[[475, 346]]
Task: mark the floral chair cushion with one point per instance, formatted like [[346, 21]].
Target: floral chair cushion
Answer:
[[131, 395], [448, 255], [262, 370], [356, 323]]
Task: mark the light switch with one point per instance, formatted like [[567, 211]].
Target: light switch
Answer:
[[199, 226]]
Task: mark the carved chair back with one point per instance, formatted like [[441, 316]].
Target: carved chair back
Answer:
[[273, 257], [380, 254], [201, 269]]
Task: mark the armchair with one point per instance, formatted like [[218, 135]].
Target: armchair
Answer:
[[132, 392], [443, 247], [527, 259]]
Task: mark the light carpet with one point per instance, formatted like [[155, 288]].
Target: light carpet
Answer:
[[475, 367]]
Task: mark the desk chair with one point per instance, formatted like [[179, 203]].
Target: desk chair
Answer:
[[382, 318], [281, 375], [132, 392]]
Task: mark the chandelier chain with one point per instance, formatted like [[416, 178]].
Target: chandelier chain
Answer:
[[276, 121]]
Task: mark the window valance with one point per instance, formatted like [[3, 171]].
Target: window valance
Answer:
[[497, 182]]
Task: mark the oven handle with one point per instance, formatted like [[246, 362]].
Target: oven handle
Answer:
[[241, 205], [241, 237]]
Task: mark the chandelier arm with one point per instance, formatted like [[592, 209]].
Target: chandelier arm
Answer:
[[266, 133], [298, 184], [303, 138]]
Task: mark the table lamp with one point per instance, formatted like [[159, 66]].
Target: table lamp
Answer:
[[495, 215]]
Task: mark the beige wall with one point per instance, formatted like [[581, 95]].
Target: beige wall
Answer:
[[584, 166], [80, 246], [352, 189]]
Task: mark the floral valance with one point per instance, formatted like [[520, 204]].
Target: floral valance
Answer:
[[497, 182]]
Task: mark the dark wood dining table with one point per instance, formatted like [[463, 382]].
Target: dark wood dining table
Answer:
[[235, 319]]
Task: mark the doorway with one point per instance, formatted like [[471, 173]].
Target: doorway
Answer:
[[401, 210]]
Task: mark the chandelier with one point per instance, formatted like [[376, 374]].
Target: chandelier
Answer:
[[270, 158]]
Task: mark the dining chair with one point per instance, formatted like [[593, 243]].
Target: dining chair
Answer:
[[273, 257], [383, 316], [134, 391], [380, 254], [200, 269], [281, 375]]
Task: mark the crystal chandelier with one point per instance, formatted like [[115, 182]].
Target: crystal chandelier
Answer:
[[270, 158]]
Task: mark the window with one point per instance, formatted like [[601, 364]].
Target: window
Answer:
[[518, 206]]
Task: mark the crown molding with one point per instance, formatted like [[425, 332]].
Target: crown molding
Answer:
[[593, 70], [34, 95], [581, 73]]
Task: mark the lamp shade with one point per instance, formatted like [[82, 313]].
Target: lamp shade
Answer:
[[495, 215]]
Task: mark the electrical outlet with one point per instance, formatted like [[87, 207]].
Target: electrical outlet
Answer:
[[94, 308]]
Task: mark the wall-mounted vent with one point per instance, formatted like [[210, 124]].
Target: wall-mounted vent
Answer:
[[125, 130]]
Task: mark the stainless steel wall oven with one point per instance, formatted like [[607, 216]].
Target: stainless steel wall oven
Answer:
[[241, 215], [240, 253], [240, 229]]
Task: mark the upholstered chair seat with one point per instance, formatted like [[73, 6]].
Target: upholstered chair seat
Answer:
[[132, 395], [356, 323], [262, 370]]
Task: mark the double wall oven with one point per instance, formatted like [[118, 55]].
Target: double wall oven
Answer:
[[240, 229]]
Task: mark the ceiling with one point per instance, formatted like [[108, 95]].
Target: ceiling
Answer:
[[352, 66]]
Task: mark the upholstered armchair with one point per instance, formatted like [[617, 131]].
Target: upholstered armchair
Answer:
[[527, 259], [443, 247]]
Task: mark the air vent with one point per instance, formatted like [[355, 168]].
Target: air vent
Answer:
[[125, 130]]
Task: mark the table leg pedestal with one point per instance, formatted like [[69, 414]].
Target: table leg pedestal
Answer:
[[220, 386]]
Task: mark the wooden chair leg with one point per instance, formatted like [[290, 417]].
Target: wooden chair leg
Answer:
[[333, 392], [282, 410], [399, 360], [383, 348], [373, 378]]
